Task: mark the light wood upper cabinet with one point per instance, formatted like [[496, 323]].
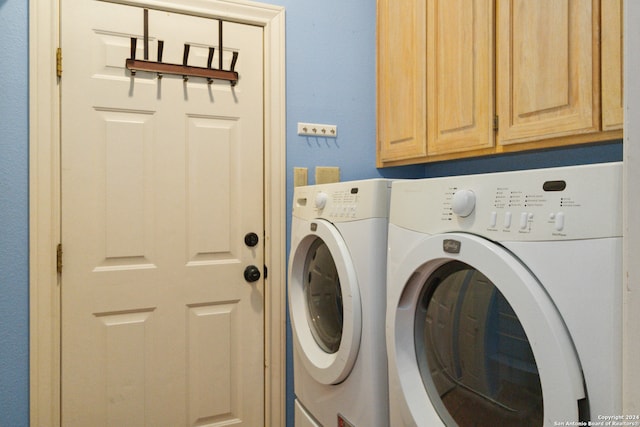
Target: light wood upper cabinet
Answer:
[[459, 75], [435, 78], [401, 68], [463, 78], [547, 52], [612, 66]]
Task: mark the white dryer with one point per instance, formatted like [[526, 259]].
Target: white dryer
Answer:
[[504, 298], [337, 273]]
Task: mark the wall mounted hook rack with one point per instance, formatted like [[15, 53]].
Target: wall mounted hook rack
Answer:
[[184, 70]]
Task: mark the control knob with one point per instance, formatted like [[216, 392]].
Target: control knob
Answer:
[[321, 200], [463, 202]]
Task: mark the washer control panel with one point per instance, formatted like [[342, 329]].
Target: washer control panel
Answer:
[[343, 201], [518, 208], [544, 204]]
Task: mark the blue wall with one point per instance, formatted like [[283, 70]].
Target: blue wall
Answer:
[[14, 223], [330, 79]]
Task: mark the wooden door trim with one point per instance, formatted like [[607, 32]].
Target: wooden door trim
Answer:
[[44, 196]]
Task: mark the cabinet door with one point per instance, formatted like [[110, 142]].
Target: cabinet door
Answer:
[[401, 80], [612, 109], [460, 100], [545, 77]]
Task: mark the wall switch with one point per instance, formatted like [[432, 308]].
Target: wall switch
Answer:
[[326, 175], [300, 177], [315, 129]]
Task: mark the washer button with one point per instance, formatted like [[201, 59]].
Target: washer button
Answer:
[[507, 219], [493, 219], [559, 223], [523, 220]]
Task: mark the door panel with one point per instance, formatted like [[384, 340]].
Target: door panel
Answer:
[[161, 179], [402, 105], [460, 100], [546, 83], [612, 67]]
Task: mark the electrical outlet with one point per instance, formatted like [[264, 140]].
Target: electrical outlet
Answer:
[[315, 129]]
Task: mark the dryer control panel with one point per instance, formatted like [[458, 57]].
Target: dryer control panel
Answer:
[[343, 201], [575, 202]]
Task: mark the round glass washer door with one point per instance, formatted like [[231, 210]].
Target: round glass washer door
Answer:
[[489, 346], [473, 353], [324, 303]]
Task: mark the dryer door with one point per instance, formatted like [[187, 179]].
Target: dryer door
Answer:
[[324, 302], [490, 348]]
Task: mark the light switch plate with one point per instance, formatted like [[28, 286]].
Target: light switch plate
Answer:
[[300, 177], [326, 175]]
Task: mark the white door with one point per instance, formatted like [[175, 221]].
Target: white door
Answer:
[[161, 180]]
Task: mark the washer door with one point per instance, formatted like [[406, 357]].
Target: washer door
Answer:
[[489, 346], [324, 303]]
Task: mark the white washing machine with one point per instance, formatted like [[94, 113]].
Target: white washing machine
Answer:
[[504, 298], [337, 274]]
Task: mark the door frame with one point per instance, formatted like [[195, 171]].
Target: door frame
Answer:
[[44, 195], [631, 209]]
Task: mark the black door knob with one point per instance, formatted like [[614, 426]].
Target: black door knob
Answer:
[[251, 273], [251, 239]]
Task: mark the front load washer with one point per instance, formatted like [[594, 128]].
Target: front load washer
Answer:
[[337, 274], [504, 298]]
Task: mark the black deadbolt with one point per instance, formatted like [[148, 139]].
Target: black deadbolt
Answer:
[[251, 273], [251, 239]]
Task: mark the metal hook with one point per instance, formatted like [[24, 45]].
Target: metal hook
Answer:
[[160, 50], [210, 58], [233, 66], [185, 57], [160, 68], [145, 24], [134, 42], [220, 49], [234, 60], [209, 61]]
